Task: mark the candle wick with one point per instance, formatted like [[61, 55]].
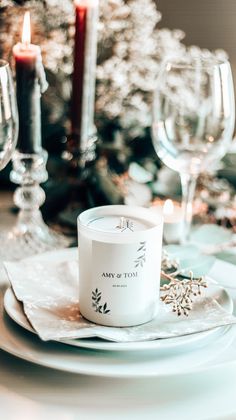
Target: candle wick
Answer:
[[125, 224], [122, 223], [26, 45]]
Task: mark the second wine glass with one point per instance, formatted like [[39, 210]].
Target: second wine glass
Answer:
[[8, 115], [193, 120]]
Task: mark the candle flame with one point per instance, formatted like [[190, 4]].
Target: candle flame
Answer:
[[168, 207], [86, 3], [26, 31]]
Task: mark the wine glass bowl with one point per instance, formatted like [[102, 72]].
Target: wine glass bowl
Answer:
[[8, 115], [193, 119]]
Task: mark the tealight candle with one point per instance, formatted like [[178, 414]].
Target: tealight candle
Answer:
[[173, 221], [119, 264]]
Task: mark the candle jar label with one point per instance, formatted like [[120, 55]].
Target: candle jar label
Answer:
[[124, 283]]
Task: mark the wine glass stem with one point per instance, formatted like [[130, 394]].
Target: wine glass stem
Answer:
[[188, 183]]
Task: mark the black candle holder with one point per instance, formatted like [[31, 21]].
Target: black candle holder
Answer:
[[30, 235]]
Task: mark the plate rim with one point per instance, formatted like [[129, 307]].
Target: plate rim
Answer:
[[101, 373], [151, 345], [173, 342], [118, 374]]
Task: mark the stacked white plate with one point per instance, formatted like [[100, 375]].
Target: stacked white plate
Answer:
[[173, 356]]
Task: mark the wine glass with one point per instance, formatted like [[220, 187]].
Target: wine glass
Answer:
[[8, 115], [193, 120]]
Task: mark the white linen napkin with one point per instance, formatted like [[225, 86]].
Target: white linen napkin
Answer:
[[49, 292]]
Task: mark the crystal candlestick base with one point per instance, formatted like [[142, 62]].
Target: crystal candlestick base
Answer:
[[30, 235], [79, 158]]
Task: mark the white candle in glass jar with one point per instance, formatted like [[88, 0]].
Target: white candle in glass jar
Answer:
[[119, 264], [173, 221], [173, 216]]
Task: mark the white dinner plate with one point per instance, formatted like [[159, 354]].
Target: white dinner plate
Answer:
[[215, 354], [188, 342], [126, 364], [15, 310]]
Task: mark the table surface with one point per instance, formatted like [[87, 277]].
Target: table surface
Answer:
[[31, 392]]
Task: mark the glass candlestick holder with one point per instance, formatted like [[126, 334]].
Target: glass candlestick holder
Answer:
[[79, 159], [30, 235]]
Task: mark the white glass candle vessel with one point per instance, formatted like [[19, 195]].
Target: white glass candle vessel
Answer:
[[173, 216], [119, 264], [173, 222]]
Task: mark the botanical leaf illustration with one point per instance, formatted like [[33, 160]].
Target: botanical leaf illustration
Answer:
[[141, 259], [142, 247], [96, 303]]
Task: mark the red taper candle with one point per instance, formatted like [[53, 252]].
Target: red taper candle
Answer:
[[84, 75], [30, 82]]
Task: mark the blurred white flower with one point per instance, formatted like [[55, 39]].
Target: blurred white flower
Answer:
[[131, 49]]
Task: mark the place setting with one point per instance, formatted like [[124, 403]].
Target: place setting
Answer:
[[130, 324], [120, 283]]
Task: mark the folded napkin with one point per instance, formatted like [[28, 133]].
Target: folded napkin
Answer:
[[49, 292]]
